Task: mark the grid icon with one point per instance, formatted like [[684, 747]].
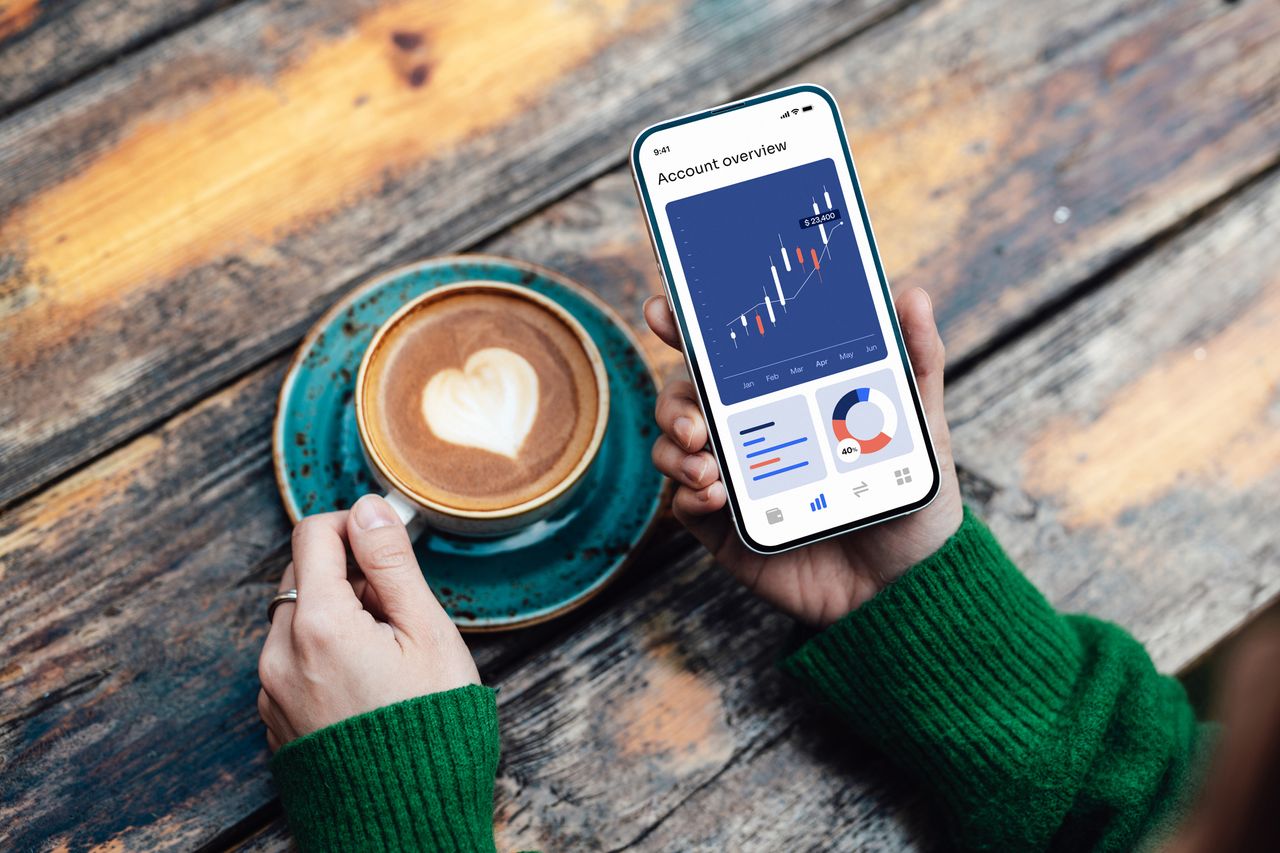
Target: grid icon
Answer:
[[903, 476]]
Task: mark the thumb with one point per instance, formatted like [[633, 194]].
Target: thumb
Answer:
[[384, 553]]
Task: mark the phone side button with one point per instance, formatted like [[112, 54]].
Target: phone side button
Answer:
[[666, 287]]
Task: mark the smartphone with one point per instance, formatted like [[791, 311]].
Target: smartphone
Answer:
[[771, 270]]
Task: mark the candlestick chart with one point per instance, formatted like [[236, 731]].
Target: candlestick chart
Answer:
[[779, 288]]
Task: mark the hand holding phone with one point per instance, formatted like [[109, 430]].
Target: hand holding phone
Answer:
[[821, 582]]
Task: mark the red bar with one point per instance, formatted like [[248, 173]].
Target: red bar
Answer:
[[765, 462], [759, 324], [814, 253], [800, 256]]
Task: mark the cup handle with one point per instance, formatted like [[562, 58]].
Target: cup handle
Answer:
[[407, 513]]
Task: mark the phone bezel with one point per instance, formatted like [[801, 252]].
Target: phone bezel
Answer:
[[695, 373]]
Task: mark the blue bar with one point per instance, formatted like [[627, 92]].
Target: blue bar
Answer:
[[753, 441], [799, 440], [781, 470], [754, 428], [812, 508], [823, 497]]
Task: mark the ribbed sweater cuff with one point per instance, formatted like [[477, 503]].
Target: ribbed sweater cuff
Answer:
[[955, 670], [417, 775]]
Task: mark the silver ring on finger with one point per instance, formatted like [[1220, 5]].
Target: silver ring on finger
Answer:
[[289, 596]]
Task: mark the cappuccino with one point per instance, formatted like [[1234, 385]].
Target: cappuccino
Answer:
[[482, 399]]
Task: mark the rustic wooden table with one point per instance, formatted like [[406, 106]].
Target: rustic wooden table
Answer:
[[1088, 188]]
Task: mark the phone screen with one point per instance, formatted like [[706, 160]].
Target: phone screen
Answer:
[[768, 259]]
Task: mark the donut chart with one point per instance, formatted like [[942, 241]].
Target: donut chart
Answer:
[[851, 446]]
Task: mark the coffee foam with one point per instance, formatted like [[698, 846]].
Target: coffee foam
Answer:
[[480, 400], [489, 404]]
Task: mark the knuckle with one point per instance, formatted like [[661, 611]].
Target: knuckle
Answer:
[[659, 452], [389, 555], [269, 672], [303, 528], [662, 404], [310, 627]]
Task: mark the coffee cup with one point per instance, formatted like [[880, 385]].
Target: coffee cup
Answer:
[[480, 407]]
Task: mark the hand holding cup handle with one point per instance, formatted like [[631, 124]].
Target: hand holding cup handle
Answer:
[[352, 642]]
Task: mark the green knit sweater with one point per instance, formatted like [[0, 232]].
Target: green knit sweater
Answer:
[[1033, 731]]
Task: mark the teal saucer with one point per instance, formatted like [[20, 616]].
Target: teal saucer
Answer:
[[538, 573]]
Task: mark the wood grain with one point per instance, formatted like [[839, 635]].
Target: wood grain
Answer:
[[648, 727], [133, 616], [661, 703], [1130, 449], [43, 45], [132, 590], [178, 219], [1004, 122]]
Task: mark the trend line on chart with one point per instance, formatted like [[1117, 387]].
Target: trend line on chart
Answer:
[[767, 302]]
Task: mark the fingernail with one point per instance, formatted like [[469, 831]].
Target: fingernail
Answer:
[[683, 428], [927, 298], [372, 512], [694, 468]]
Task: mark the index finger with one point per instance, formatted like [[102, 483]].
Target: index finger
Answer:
[[320, 560], [657, 313]]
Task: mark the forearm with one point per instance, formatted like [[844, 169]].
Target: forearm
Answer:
[[417, 775], [1034, 730]]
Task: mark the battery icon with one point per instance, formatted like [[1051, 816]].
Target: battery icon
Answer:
[[805, 109]]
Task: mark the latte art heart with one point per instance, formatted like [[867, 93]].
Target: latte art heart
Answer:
[[489, 404]]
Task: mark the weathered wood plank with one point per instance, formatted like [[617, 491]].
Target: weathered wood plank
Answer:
[[1003, 121], [1130, 450], [630, 729], [45, 45], [177, 219], [1126, 452], [129, 662], [111, 559]]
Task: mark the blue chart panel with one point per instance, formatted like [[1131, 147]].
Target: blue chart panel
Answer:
[[777, 281], [776, 447]]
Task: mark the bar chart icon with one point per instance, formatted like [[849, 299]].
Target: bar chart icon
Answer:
[[818, 503]]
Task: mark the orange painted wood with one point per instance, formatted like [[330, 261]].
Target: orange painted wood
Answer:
[[173, 222]]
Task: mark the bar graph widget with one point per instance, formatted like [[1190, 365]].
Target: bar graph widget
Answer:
[[776, 447], [777, 281]]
